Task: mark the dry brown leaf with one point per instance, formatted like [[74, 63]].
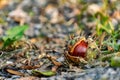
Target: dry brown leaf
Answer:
[[29, 67], [56, 63], [14, 72]]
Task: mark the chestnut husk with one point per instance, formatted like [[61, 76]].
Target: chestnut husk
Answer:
[[75, 59]]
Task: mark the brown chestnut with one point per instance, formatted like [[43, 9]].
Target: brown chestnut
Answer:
[[79, 49], [78, 52]]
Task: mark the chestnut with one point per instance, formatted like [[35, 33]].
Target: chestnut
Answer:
[[79, 49], [77, 52]]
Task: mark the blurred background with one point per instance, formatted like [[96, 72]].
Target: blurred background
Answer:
[[56, 18]]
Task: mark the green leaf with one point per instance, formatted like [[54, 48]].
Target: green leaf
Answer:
[[45, 73], [14, 34], [115, 61]]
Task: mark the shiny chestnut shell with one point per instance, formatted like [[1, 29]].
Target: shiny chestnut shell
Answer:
[[78, 51]]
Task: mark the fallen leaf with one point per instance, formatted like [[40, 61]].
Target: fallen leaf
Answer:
[[56, 63], [14, 72], [45, 73], [29, 67]]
